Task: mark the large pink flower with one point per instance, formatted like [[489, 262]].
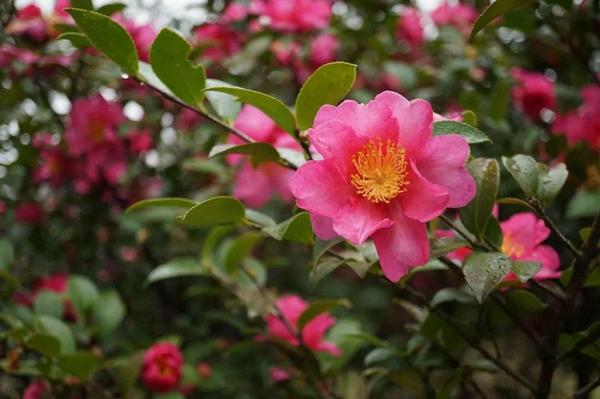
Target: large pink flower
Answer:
[[291, 308], [161, 369], [533, 93], [383, 176], [294, 15], [461, 16], [256, 185], [582, 124]]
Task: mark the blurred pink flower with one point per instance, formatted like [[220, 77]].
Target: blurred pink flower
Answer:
[[279, 375], [143, 35], [140, 141], [383, 176], [533, 93], [234, 12], [256, 185], [291, 308], [409, 28], [218, 41], [161, 368], [36, 390], [323, 49], [294, 15], [582, 124], [29, 22], [459, 15], [28, 213]]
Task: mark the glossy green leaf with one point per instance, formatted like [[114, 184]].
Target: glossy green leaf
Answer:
[[442, 246], [111, 8], [297, 228], [178, 267], [318, 307], [469, 117], [7, 254], [169, 59], [451, 295], [58, 329], [109, 37], [77, 39], [225, 105], [46, 344], [550, 181], [217, 210], [525, 270], [329, 84], [483, 271], [497, 9], [168, 202], [258, 152], [493, 232], [470, 133], [83, 4], [325, 266], [524, 302], [475, 215], [82, 292], [271, 106], [109, 312], [80, 364], [584, 204], [525, 171], [49, 303], [240, 248]]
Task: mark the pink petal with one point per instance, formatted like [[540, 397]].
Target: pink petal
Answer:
[[252, 186], [334, 139], [402, 246], [415, 120], [549, 259], [322, 226], [525, 229], [423, 200], [319, 187], [359, 219], [314, 330], [443, 162], [330, 348], [254, 123]]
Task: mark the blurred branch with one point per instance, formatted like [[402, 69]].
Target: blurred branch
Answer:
[[583, 392], [535, 203], [453, 226]]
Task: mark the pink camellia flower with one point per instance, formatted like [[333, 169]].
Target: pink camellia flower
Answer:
[[324, 49], [291, 308], [234, 12], [409, 28], [56, 283], [533, 93], [279, 375], [582, 124], [143, 35], [93, 121], [140, 141], [255, 185], [218, 41], [29, 22], [383, 176], [294, 15], [28, 213], [161, 368], [459, 15], [36, 390]]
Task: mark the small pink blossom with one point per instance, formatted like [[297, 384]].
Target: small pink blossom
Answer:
[[256, 185], [143, 35], [582, 124], [291, 308], [29, 213], [218, 41], [294, 15], [279, 375], [323, 49], [161, 368], [140, 141], [234, 12], [461, 16], [383, 176], [29, 22], [36, 390], [286, 53], [534, 92], [409, 28]]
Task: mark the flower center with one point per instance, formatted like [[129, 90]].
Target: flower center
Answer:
[[380, 171], [512, 248]]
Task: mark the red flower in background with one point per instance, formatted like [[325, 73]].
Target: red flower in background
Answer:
[[143, 35], [218, 41], [29, 22], [28, 213], [582, 124], [533, 93], [409, 28], [161, 368], [36, 390], [294, 15], [461, 16]]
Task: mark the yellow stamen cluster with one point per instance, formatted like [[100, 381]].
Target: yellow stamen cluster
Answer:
[[380, 171], [512, 248]]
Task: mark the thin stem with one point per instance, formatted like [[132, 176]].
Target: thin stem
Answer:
[[583, 392], [453, 226], [535, 203]]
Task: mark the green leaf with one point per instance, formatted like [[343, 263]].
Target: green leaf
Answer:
[[483, 271], [259, 218], [271, 106], [58, 329], [169, 202], [351, 385], [475, 215], [493, 232], [525, 270], [550, 182], [524, 302], [470, 133], [584, 204], [217, 210], [178, 267], [169, 59], [297, 228], [318, 307], [258, 152], [48, 345], [525, 171], [593, 278], [240, 248], [82, 292], [442, 246], [109, 37], [83, 4], [78, 40], [329, 84], [80, 364], [109, 311], [469, 117], [7, 254], [494, 10], [451, 295], [342, 335], [325, 266], [49, 303], [225, 105], [111, 8]]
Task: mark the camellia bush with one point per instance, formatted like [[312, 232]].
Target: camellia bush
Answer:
[[301, 199]]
